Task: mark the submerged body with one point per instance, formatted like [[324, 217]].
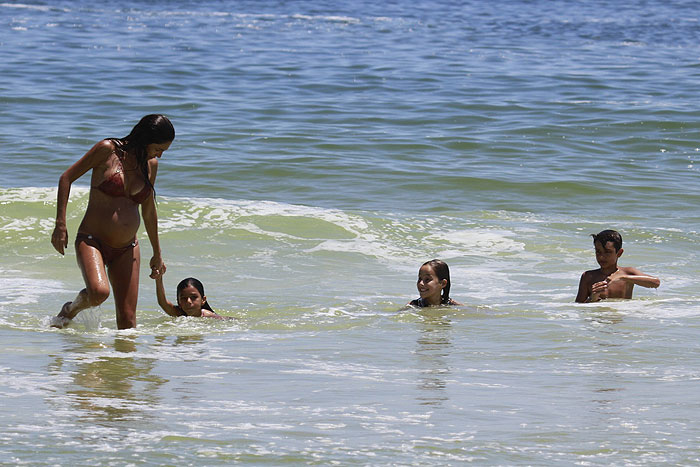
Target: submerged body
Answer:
[[611, 280], [421, 303], [191, 300], [434, 285], [600, 284]]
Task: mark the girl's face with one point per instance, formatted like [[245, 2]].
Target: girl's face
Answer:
[[191, 301], [429, 286]]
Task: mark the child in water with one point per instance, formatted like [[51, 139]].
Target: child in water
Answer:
[[191, 300], [610, 280], [433, 285]]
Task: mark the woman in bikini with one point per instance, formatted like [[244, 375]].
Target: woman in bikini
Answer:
[[123, 175]]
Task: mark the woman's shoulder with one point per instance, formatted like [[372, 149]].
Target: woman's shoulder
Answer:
[[106, 145], [102, 150]]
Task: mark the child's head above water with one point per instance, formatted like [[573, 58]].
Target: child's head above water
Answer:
[[611, 280], [608, 236], [608, 248], [434, 282], [191, 298]]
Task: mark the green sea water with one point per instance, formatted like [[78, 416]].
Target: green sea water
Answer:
[[324, 151]]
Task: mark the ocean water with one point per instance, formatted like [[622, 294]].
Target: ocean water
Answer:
[[324, 151]]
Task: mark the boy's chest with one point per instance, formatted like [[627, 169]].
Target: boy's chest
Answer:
[[619, 289]]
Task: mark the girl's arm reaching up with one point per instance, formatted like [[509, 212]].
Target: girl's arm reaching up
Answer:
[[163, 301]]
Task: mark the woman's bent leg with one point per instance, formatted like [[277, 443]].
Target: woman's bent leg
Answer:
[[96, 288], [124, 276]]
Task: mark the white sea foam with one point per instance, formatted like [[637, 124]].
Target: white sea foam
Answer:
[[478, 241], [227, 213], [18, 290], [24, 6], [341, 19], [34, 194]]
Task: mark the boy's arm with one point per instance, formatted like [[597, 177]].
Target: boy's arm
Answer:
[[584, 288], [637, 277], [163, 301]]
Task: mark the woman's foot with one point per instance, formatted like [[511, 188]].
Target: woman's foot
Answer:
[[62, 319]]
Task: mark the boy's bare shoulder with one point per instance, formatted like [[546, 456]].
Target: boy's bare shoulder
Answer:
[[591, 275], [630, 271]]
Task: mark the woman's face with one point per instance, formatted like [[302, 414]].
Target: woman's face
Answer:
[[157, 149]]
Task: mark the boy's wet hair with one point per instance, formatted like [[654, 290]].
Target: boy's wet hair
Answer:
[[608, 236], [442, 271], [191, 281]]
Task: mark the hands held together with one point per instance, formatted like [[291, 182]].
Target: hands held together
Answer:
[[157, 267]]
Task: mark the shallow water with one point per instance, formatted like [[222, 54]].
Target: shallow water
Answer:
[[323, 152]]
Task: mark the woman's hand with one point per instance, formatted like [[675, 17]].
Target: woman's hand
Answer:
[[59, 238], [157, 266]]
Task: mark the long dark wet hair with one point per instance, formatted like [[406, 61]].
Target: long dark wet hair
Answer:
[[191, 281], [151, 129], [443, 272]]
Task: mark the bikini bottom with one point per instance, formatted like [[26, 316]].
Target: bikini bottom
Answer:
[[109, 254]]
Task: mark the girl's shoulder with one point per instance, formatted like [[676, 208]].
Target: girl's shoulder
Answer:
[[212, 314]]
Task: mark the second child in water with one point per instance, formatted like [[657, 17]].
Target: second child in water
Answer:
[[434, 285], [611, 280], [191, 300]]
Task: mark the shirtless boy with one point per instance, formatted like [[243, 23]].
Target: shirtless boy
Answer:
[[610, 280]]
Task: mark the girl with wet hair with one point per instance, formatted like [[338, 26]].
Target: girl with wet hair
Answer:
[[433, 285], [191, 300]]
